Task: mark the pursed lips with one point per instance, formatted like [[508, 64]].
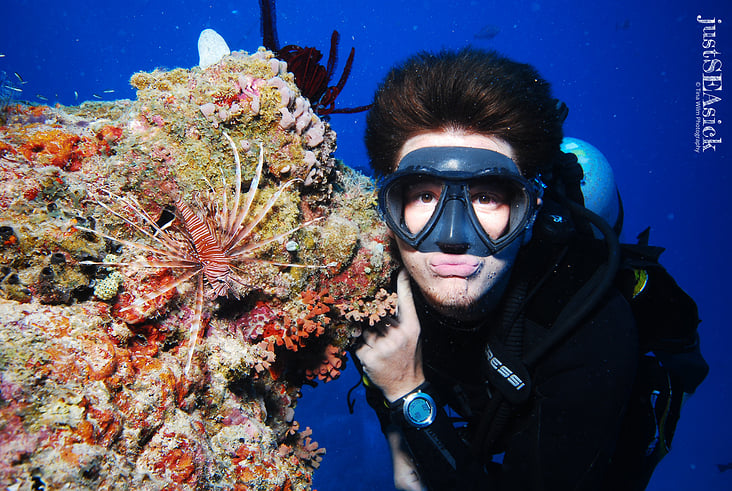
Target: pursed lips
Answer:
[[447, 265]]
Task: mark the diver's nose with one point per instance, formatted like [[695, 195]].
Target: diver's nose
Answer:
[[452, 238]]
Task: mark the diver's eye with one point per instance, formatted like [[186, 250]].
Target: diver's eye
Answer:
[[426, 198], [423, 194], [488, 195], [487, 200]]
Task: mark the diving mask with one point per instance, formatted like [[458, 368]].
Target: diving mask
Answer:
[[445, 199]]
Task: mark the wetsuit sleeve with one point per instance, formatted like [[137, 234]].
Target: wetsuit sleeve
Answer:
[[581, 390]]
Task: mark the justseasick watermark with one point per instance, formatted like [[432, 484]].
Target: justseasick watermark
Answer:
[[707, 134]]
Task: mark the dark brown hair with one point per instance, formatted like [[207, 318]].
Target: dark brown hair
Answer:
[[468, 90]]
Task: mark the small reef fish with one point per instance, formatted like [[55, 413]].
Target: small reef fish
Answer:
[[488, 32]]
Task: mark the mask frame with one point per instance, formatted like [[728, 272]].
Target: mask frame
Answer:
[[454, 226]]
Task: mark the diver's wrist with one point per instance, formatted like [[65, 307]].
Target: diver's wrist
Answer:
[[394, 396]]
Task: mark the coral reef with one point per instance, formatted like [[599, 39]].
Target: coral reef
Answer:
[[134, 353]]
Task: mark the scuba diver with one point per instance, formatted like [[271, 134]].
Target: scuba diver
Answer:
[[519, 355]]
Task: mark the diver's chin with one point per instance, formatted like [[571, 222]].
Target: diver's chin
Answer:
[[467, 311], [457, 303]]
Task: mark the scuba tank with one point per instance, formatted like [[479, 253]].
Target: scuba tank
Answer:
[[598, 186]]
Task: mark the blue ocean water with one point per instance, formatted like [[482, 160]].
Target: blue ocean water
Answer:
[[627, 70]]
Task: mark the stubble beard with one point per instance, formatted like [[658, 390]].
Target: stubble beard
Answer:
[[455, 298]]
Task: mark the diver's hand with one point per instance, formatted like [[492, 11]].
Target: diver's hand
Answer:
[[392, 359]]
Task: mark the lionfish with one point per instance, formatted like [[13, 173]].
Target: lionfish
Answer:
[[211, 241]]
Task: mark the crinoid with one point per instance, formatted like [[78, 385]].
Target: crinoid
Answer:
[[213, 241], [311, 77]]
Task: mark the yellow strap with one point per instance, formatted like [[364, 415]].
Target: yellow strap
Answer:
[[641, 280]]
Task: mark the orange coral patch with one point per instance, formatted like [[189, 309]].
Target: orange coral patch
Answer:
[[54, 147], [179, 462]]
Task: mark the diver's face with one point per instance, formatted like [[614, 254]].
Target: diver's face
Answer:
[[460, 285]]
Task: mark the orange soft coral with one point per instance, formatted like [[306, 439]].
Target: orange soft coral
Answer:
[[329, 368]]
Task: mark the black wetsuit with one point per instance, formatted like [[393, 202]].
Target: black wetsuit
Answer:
[[564, 435]]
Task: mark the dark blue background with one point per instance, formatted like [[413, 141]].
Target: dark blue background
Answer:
[[627, 70]]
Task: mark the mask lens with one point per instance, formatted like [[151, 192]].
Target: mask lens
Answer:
[[420, 201], [491, 201]]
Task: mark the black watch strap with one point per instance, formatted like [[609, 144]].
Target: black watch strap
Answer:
[[417, 409]]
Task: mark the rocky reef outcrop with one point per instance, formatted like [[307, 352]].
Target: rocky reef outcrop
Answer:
[[141, 347]]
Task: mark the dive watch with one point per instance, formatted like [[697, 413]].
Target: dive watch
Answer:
[[419, 409]]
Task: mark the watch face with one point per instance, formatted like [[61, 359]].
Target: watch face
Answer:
[[419, 409]]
